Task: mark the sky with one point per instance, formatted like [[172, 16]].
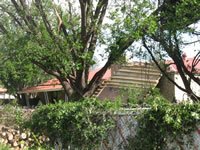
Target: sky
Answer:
[[190, 49]]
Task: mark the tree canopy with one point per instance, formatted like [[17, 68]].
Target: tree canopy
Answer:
[[176, 20], [61, 37], [16, 75]]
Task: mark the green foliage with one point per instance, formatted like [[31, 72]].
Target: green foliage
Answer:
[[162, 121], [175, 21], [135, 97], [138, 97], [62, 40], [3, 147], [10, 115], [154, 96], [178, 15], [17, 72], [79, 125]]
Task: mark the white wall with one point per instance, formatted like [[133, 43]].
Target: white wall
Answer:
[[6, 96], [180, 95]]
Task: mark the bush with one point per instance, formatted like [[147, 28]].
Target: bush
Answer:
[[141, 97], [10, 115], [3, 147], [79, 125], [162, 121]]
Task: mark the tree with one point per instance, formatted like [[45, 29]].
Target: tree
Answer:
[[173, 21], [62, 40], [17, 74]]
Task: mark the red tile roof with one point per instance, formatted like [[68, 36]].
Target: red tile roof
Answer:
[[106, 76], [188, 63], [3, 90], [54, 84], [53, 81]]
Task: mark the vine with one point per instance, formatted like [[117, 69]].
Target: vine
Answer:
[[162, 121], [73, 125]]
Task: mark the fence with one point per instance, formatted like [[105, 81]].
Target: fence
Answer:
[[126, 125]]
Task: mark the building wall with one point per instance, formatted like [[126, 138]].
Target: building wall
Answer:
[[167, 89], [6, 96], [112, 93], [127, 125], [182, 96], [179, 95], [195, 88], [173, 93], [53, 96]]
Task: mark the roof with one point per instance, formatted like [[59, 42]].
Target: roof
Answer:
[[3, 90], [188, 63], [106, 76], [55, 85]]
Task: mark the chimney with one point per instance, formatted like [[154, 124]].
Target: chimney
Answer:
[[184, 57]]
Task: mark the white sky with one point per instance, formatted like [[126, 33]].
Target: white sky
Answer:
[[189, 50], [192, 49]]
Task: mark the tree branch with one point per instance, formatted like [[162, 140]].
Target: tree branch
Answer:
[[56, 74], [27, 13], [195, 61], [191, 42], [157, 64], [3, 29], [12, 16], [182, 65], [44, 18], [83, 18], [70, 21], [25, 18]]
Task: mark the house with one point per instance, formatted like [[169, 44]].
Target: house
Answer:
[[129, 76], [145, 75], [169, 90], [120, 77], [45, 92], [50, 91], [132, 75], [4, 96]]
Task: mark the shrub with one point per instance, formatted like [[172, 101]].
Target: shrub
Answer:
[[142, 97], [162, 121], [10, 115], [79, 125], [3, 147]]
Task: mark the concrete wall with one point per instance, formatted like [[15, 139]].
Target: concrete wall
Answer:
[[173, 93], [167, 89], [115, 68], [110, 93], [127, 125]]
